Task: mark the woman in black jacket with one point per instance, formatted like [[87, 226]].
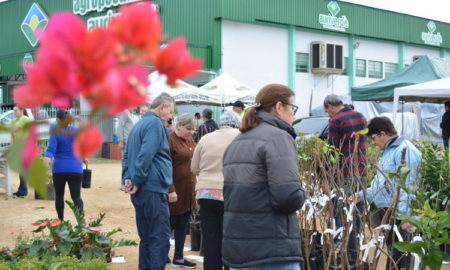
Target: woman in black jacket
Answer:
[[262, 191]]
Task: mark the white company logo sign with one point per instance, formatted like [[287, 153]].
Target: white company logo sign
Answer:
[[430, 37], [332, 22]]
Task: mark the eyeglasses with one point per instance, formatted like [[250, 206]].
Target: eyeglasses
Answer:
[[294, 107]]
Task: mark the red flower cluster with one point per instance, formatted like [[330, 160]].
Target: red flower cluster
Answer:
[[105, 65]]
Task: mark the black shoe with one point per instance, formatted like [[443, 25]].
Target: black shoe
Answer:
[[183, 264]]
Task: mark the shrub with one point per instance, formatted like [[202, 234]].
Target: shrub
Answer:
[[55, 263]]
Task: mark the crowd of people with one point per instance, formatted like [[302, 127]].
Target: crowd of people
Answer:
[[240, 173]]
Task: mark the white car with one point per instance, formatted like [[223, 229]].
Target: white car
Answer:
[[7, 117]]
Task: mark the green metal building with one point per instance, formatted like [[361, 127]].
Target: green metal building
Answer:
[[256, 41]]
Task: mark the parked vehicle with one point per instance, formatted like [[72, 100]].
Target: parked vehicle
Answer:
[[314, 125]]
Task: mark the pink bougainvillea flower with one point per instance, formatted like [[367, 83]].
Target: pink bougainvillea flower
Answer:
[[96, 230], [87, 142], [122, 88], [55, 222], [176, 62], [31, 148], [64, 35], [96, 56], [138, 27], [93, 217]]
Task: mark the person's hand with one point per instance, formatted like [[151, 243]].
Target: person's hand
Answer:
[[85, 161], [47, 160], [120, 145], [325, 188], [129, 187], [173, 197], [354, 198], [407, 227]]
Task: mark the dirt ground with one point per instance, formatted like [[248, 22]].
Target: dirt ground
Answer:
[[16, 215]]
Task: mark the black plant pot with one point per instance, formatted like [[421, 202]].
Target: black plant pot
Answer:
[[50, 194]]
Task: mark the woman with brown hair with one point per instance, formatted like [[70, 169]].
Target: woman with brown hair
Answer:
[[261, 190], [182, 192]]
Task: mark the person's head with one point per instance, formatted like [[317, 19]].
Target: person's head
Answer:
[[197, 116], [229, 119], [143, 109], [447, 105], [332, 105], [185, 126], [276, 99], [163, 106], [19, 111], [62, 117], [238, 107], [207, 114], [381, 130]]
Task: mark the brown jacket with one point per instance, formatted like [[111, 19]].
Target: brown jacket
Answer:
[[183, 179]]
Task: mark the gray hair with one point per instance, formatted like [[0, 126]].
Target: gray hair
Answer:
[[163, 98], [332, 100], [230, 118], [186, 120]]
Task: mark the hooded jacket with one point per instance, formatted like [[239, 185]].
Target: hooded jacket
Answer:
[[262, 193]]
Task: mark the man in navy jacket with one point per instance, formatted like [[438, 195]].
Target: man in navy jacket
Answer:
[[147, 173]]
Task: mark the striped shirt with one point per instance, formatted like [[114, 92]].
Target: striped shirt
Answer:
[[343, 127]]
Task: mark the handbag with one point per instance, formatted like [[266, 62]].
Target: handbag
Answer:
[[87, 175]]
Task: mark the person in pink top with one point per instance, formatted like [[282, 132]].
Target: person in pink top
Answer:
[[207, 165]]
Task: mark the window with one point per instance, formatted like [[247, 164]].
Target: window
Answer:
[[360, 68], [302, 62], [375, 69], [389, 69], [345, 71]]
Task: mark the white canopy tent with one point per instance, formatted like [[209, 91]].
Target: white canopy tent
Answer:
[[183, 93], [229, 90], [437, 91]]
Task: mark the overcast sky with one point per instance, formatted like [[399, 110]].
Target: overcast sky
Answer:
[[438, 10]]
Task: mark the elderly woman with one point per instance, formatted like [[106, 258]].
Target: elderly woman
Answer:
[[207, 165], [262, 191], [181, 193]]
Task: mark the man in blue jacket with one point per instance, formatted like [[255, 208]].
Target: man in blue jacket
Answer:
[[147, 173]]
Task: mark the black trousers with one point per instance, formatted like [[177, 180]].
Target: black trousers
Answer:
[[74, 182], [211, 221], [179, 225]]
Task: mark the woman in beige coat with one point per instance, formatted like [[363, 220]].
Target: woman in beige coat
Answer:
[[207, 165]]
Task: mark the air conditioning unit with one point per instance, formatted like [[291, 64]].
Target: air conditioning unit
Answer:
[[327, 57], [416, 57]]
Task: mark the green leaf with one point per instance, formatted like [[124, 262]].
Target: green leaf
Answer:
[[98, 252], [14, 156], [64, 247], [86, 253], [102, 239], [410, 246], [37, 176]]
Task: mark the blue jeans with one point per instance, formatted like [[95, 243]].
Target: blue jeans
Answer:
[[23, 189], [152, 220], [272, 266], [445, 142]]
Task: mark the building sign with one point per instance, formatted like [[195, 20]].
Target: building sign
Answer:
[[35, 19], [332, 22], [27, 59], [430, 37], [82, 7]]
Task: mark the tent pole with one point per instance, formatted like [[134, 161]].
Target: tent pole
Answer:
[[403, 109]]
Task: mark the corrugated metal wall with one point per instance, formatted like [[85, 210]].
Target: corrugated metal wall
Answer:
[[194, 19], [12, 40], [363, 21]]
